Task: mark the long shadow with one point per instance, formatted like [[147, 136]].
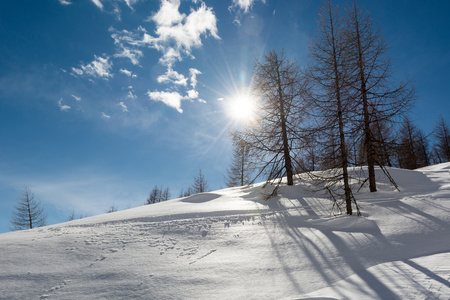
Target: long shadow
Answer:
[[426, 272], [353, 262], [405, 210], [294, 226], [305, 245], [302, 242]]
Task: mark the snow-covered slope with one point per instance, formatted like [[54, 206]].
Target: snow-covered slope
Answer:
[[230, 244]]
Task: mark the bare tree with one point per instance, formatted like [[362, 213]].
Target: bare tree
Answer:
[[277, 86], [112, 209], [200, 184], [72, 216], [241, 164], [158, 194], [413, 149], [332, 104], [442, 136], [372, 82], [29, 212]]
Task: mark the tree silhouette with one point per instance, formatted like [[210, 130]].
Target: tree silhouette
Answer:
[[28, 213]]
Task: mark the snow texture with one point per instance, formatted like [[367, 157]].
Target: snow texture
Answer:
[[230, 244]]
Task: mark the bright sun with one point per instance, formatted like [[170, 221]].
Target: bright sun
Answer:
[[241, 108]]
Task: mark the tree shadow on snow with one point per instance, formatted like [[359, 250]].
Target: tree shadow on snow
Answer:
[[308, 231]]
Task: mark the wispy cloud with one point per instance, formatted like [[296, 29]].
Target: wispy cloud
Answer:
[[127, 52], [65, 2], [98, 4], [76, 98], [194, 73], [172, 99], [62, 106], [123, 106], [175, 36], [128, 73], [130, 95], [243, 5], [172, 76], [99, 67], [130, 3], [105, 116], [176, 33], [76, 189]]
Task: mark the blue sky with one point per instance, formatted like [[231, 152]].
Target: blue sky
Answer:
[[100, 100]]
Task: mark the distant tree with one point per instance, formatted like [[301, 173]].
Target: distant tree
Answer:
[[72, 216], [112, 209], [442, 137], [28, 213], [241, 165], [413, 149], [200, 184], [158, 194], [186, 193], [155, 194], [165, 194]]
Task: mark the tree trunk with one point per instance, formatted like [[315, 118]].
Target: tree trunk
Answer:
[[286, 152], [367, 132]]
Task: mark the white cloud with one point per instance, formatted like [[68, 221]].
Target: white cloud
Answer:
[[123, 106], [99, 67], [128, 73], [130, 3], [172, 76], [130, 95], [65, 2], [168, 13], [179, 38], [219, 99], [243, 5], [62, 106], [201, 100], [77, 71], [98, 4], [194, 73], [192, 94], [105, 116], [76, 98], [176, 33], [172, 99], [132, 54]]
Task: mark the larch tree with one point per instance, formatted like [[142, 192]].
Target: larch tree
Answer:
[[158, 194], [331, 102], [375, 90], [28, 213], [273, 136], [241, 166], [413, 149], [200, 184], [442, 137]]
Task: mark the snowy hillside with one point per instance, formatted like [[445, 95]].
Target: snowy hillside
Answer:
[[230, 244]]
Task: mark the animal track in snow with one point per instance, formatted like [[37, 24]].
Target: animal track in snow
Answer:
[[52, 290]]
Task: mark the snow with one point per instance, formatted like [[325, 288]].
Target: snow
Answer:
[[231, 244]]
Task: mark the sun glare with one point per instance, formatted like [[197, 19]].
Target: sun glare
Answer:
[[241, 108]]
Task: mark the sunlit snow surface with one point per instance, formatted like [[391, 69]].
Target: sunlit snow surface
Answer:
[[230, 244]]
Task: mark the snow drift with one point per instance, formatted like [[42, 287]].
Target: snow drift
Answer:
[[230, 244]]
